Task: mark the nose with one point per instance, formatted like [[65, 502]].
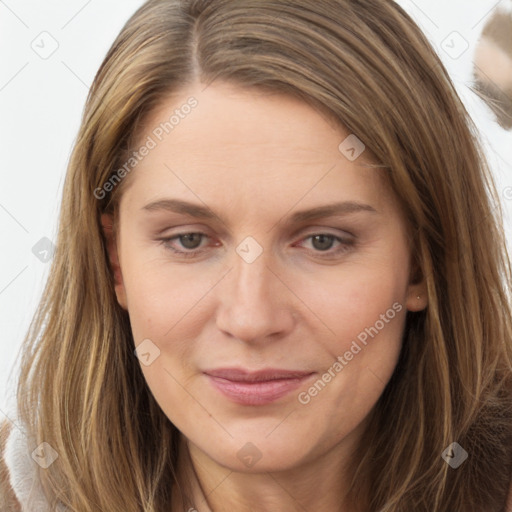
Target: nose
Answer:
[[255, 304]]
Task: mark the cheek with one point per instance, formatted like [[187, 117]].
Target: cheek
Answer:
[[160, 295], [362, 312], [167, 305], [355, 298], [162, 308]]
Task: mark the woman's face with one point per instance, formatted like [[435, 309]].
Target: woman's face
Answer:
[[298, 265]]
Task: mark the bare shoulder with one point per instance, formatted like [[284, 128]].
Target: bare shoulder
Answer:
[[8, 501]]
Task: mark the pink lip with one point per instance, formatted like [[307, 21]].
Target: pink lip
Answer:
[[258, 387]]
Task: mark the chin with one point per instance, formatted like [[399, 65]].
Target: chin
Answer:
[[257, 453]]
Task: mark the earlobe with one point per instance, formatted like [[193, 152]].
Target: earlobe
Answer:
[[417, 296], [416, 300], [107, 223]]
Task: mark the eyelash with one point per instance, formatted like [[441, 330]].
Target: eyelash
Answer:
[[346, 245]]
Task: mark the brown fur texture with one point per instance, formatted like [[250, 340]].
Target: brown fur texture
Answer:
[[493, 67]]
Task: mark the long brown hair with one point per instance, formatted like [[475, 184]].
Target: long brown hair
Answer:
[[367, 64]]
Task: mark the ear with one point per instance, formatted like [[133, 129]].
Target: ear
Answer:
[[417, 298], [107, 222]]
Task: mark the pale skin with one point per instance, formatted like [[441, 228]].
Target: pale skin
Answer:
[[255, 159]]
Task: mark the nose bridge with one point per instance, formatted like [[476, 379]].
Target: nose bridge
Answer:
[[253, 284], [253, 302], [252, 277]]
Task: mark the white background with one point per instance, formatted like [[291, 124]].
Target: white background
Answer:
[[41, 101]]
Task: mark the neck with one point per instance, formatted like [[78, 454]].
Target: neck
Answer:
[[209, 487]]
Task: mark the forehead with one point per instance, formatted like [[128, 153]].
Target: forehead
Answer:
[[253, 144]]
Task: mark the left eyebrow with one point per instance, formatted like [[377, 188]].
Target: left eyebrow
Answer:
[[202, 212], [331, 210]]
